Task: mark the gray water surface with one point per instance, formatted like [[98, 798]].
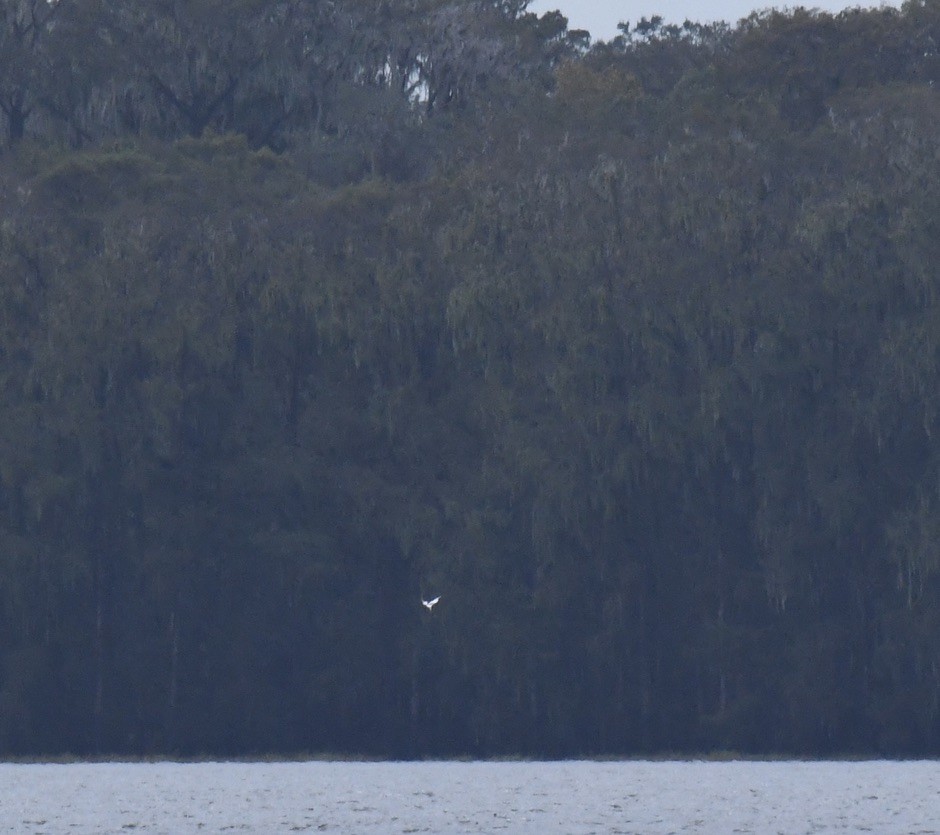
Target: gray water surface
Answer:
[[476, 797]]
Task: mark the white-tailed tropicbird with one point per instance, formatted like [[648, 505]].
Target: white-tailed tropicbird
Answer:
[[429, 604]]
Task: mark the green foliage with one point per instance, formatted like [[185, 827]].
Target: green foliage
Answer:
[[631, 354]]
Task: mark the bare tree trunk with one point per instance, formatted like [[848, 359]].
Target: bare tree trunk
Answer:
[[98, 710], [174, 664]]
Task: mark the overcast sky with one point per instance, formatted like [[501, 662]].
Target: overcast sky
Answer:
[[600, 17]]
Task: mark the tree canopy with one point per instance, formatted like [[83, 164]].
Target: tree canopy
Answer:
[[629, 351]]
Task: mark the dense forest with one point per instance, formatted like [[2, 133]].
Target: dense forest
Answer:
[[630, 351]]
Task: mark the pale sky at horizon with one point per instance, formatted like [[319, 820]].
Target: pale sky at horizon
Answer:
[[600, 17]]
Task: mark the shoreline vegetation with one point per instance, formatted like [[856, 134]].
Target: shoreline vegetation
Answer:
[[629, 352], [271, 759]]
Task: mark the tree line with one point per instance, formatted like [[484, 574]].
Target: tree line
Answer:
[[630, 351]]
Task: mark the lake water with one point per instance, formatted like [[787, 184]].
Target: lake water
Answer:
[[485, 797]]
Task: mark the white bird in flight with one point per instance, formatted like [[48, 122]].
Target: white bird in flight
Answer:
[[429, 604]]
